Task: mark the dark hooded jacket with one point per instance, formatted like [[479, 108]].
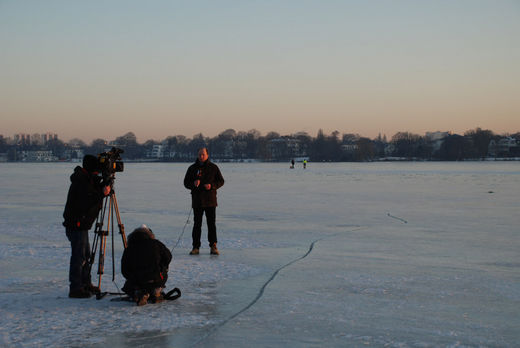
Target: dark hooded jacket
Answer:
[[84, 200], [145, 261], [208, 173]]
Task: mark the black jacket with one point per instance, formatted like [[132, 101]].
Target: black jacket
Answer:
[[84, 200], [207, 173], [145, 262]]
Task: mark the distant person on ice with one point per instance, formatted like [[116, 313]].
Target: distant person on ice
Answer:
[[203, 178], [84, 201], [145, 264]]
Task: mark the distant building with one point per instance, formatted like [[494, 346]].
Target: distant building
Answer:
[[74, 153], [22, 139], [36, 156], [228, 149], [503, 147], [285, 147], [36, 139], [389, 150], [349, 148], [224, 150], [436, 139], [157, 151], [48, 137]]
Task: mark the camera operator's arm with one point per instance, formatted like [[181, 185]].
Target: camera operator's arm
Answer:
[[105, 187]]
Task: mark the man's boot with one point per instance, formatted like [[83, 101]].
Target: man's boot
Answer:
[[80, 293], [214, 250], [93, 289]]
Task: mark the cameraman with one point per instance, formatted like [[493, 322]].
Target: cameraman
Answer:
[[203, 178], [145, 265], [84, 201]]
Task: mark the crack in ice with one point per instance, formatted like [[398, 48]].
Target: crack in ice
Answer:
[[264, 286]]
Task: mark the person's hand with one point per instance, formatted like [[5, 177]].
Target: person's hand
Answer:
[[106, 190], [207, 186], [196, 183]]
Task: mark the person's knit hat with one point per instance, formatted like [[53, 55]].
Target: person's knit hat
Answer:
[[90, 163], [139, 234]]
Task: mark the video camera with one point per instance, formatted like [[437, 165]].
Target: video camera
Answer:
[[109, 163]]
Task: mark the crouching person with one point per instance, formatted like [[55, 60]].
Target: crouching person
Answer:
[[145, 264]]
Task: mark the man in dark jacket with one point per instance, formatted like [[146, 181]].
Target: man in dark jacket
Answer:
[[145, 264], [203, 178], [84, 201]]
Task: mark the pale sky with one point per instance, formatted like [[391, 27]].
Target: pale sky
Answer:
[[100, 69]]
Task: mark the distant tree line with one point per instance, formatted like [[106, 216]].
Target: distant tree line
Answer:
[[231, 145]]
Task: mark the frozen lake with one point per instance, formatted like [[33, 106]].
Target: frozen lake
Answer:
[[336, 255]]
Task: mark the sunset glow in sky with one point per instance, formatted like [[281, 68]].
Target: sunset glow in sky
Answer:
[[99, 69]]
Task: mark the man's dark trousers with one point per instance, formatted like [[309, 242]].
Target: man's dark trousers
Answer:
[[197, 225], [79, 273]]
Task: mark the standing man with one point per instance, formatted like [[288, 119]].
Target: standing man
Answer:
[[84, 201], [203, 178]]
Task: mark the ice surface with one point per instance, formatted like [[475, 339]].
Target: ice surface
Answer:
[[375, 254]]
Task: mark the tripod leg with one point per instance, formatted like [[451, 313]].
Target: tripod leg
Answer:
[[119, 223], [97, 232], [112, 202], [98, 238], [101, 262], [103, 244], [92, 256]]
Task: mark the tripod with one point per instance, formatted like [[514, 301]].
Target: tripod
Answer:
[[100, 235]]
